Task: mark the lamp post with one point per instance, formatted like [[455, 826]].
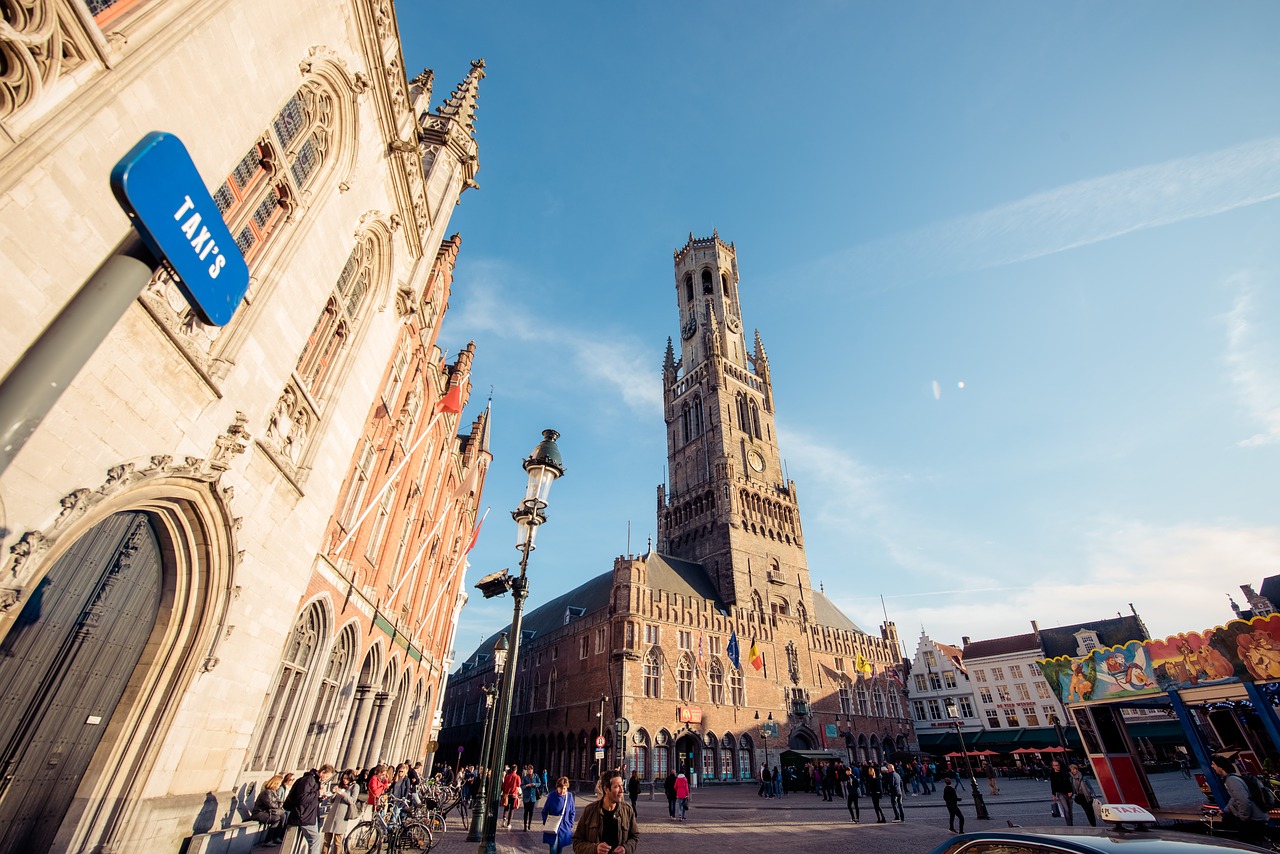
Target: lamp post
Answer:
[[764, 735], [480, 798], [1062, 738], [600, 731], [543, 466], [979, 805]]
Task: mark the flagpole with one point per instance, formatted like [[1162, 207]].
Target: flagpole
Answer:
[[413, 568], [391, 478]]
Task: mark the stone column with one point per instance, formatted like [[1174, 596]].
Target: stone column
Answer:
[[359, 724], [373, 752]]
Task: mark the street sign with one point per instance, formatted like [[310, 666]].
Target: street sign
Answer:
[[623, 726], [161, 190], [599, 741], [770, 729], [600, 754]]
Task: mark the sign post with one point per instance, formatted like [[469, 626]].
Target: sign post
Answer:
[[178, 225]]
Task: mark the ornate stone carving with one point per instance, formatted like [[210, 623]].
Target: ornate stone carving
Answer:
[[230, 444], [288, 427], [30, 544], [40, 42]]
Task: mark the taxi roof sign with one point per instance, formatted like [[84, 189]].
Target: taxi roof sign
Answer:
[[158, 186]]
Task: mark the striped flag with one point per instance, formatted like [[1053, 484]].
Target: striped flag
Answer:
[[701, 661], [756, 657]]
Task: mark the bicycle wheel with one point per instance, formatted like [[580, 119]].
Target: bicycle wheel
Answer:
[[364, 838], [414, 836], [435, 822]]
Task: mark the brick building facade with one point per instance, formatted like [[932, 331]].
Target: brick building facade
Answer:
[[641, 654]]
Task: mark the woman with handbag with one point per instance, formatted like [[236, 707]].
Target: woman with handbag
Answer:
[[344, 809], [1082, 794], [559, 807]]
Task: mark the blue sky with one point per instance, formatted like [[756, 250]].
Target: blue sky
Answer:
[[1068, 208]]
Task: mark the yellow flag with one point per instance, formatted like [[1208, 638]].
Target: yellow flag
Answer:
[[862, 665]]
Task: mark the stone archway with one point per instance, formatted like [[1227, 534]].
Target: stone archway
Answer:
[[802, 739], [688, 753]]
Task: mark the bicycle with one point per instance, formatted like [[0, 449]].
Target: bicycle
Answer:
[[389, 827]]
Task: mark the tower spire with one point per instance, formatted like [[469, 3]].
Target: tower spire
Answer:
[[461, 105]]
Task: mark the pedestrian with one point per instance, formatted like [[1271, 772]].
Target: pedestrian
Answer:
[[268, 809], [669, 787], [344, 809], [303, 805], [1060, 789], [930, 774], [991, 777], [829, 782], [777, 782], [852, 785], [952, 800], [562, 810], [377, 786], [682, 795], [1249, 819], [874, 790], [608, 825], [893, 781], [1082, 794], [510, 794], [529, 784], [1185, 766], [633, 788]]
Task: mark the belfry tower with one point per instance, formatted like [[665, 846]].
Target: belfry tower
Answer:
[[728, 505]]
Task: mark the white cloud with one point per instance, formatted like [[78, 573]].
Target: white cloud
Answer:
[[1073, 215], [1247, 358], [491, 301]]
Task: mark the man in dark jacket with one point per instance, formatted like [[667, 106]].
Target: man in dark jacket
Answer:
[[303, 805], [609, 825], [669, 786]]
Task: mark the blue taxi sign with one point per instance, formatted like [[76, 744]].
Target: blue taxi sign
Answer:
[[161, 190]]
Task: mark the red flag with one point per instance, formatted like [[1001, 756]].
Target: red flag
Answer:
[[475, 535], [451, 402], [755, 656]]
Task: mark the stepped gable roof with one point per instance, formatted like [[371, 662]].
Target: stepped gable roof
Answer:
[[1001, 646], [952, 652], [1116, 631], [825, 613]]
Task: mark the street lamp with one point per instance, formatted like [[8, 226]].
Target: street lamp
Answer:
[[764, 734], [979, 805], [847, 735], [600, 731], [1062, 738], [543, 466], [480, 797]]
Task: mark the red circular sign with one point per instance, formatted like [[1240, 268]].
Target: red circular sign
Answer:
[[599, 741]]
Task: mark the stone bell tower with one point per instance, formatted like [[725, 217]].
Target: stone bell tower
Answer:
[[727, 504]]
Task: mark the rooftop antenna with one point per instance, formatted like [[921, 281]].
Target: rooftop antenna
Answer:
[[628, 538]]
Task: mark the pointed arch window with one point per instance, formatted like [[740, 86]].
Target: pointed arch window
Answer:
[[697, 415], [707, 289], [864, 707], [299, 657], [846, 700], [755, 421], [878, 697], [684, 679], [744, 415], [715, 682], [332, 329], [688, 287], [724, 285], [324, 714], [652, 674], [737, 696]]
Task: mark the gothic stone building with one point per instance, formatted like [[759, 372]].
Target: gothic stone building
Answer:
[[167, 525], [641, 654]]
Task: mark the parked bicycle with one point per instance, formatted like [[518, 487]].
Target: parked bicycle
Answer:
[[392, 829]]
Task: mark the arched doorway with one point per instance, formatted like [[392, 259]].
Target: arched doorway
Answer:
[[687, 752], [802, 739], [65, 665]]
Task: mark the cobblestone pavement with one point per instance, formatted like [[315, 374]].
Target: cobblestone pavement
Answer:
[[734, 817]]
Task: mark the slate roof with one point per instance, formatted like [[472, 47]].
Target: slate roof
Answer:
[[666, 573], [1001, 646], [1116, 631]]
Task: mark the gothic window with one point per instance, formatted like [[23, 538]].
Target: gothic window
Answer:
[[744, 415], [685, 425], [846, 701], [359, 485], [864, 708], [878, 698], [688, 287], [715, 680], [652, 675], [324, 714], [343, 309], [895, 710], [399, 366], [551, 689], [755, 421], [706, 283], [380, 524], [299, 656], [684, 679], [736, 694], [696, 415], [724, 284]]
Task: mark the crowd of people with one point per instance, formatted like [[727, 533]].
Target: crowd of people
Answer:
[[323, 805]]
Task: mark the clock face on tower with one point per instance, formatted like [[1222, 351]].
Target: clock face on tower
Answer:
[[756, 460]]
